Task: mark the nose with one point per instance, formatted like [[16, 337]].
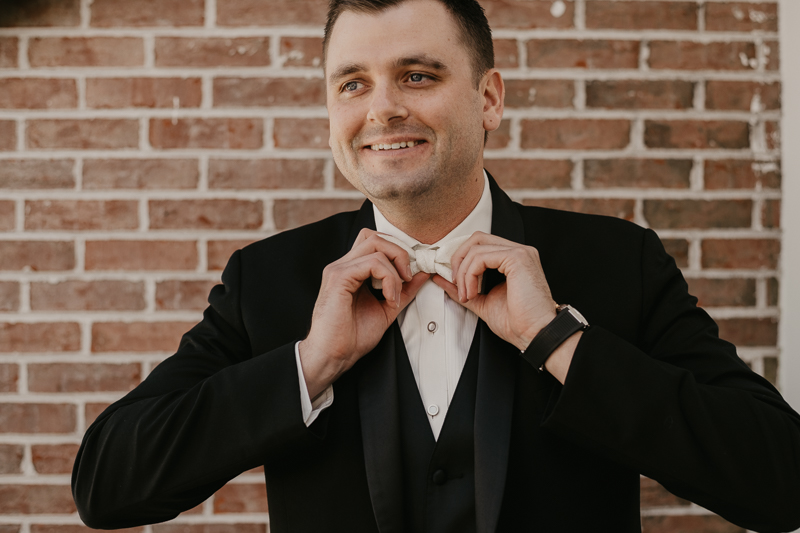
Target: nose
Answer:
[[387, 105]]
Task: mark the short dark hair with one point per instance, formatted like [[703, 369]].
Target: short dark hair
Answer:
[[473, 28]]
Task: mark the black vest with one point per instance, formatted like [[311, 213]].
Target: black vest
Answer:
[[438, 476]]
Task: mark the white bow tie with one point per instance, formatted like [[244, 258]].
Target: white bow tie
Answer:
[[429, 258]]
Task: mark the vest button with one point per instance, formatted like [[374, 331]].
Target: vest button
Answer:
[[440, 477], [433, 410], [432, 327]]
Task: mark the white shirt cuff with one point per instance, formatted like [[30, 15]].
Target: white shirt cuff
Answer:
[[311, 410]]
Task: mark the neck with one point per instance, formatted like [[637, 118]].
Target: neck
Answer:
[[431, 218]]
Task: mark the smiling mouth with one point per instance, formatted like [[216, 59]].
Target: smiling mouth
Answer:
[[394, 146]]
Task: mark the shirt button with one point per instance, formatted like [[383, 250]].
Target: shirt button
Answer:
[[440, 477], [433, 410], [432, 327]]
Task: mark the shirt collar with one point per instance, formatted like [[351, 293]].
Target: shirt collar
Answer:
[[479, 219]]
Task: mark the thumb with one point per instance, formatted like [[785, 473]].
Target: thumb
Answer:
[[411, 288], [452, 291]]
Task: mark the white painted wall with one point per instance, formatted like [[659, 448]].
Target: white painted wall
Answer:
[[789, 328]]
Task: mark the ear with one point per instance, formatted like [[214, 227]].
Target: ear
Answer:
[[493, 92]]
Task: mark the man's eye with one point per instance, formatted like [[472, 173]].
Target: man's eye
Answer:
[[351, 86], [416, 77]]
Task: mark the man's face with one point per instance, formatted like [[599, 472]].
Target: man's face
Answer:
[[406, 118]]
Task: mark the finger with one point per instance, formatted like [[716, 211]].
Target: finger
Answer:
[[376, 265], [411, 288], [372, 242], [476, 239], [467, 277], [473, 305]]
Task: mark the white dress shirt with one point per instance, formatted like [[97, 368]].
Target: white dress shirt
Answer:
[[437, 331]]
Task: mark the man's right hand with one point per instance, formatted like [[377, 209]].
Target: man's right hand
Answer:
[[348, 320]]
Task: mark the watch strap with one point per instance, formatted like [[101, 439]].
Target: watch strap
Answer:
[[562, 327]]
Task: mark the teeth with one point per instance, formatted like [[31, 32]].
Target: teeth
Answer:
[[394, 146]]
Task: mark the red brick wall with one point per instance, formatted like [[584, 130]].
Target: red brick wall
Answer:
[[142, 141]]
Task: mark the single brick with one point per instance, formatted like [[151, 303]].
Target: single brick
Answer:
[[9, 52], [730, 134], [679, 250], [206, 214], [301, 133], [772, 130], [280, 13], [741, 174], [38, 93], [682, 214], [93, 410], [640, 94], [266, 173], [743, 95], [506, 53], [8, 215], [54, 418], [652, 494], [592, 54], [690, 55], [112, 14], [741, 16], [735, 292], [220, 251], [212, 51], [53, 458], [8, 135], [82, 134], [41, 13], [83, 377], [140, 174], [9, 296], [96, 295], [210, 528], [771, 215], [141, 255], [530, 173], [641, 15], [740, 253], [143, 92], [301, 51], [37, 174], [228, 133], [11, 458], [773, 291], [575, 134], [293, 213], [268, 92], [501, 137], [688, 523], [749, 331], [40, 337], [241, 498], [81, 215], [37, 255], [772, 53], [36, 499], [539, 93], [526, 14], [138, 336], [637, 173], [183, 294], [86, 52], [612, 207], [10, 528], [9, 377]]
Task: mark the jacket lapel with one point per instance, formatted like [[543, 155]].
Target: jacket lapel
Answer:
[[495, 394], [380, 431]]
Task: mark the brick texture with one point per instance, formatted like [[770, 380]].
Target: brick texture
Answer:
[[143, 142]]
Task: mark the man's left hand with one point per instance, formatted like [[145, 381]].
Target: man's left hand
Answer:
[[515, 310]]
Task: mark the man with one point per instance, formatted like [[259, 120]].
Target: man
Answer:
[[468, 404]]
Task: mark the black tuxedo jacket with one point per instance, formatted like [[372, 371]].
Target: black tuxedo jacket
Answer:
[[652, 390]]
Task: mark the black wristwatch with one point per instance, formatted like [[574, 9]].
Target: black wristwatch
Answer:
[[567, 322]]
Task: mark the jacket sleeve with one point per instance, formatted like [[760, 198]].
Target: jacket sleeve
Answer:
[[680, 407], [203, 416]]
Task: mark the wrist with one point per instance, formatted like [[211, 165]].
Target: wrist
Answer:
[[567, 322], [319, 371]]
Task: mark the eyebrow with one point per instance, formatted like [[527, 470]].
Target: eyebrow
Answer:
[[425, 60]]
